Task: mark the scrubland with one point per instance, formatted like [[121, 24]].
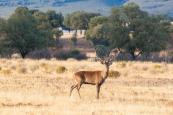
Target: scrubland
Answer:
[[41, 87]]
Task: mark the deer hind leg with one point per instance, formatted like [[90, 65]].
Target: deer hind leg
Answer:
[[72, 87], [98, 90], [78, 89]]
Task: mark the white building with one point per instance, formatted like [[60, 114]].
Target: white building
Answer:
[[171, 23]]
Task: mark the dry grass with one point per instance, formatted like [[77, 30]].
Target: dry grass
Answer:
[[114, 74], [34, 87]]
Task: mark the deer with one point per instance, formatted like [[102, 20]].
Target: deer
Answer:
[[96, 78]]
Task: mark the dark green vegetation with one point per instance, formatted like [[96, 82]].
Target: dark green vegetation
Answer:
[[79, 20], [130, 30], [127, 28], [28, 30]]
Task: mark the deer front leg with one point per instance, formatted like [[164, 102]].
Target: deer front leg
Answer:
[[98, 90]]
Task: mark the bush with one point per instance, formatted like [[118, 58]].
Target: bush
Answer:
[[75, 52], [64, 55], [114, 74], [39, 54], [157, 66], [60, 69]]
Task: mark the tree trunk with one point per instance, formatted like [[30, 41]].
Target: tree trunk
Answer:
[[23, 53], [76, 32], [57, 42]]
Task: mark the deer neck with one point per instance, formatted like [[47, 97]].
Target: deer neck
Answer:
[[106, 74]]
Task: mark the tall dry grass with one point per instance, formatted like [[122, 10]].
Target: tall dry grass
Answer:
[[41, 87]]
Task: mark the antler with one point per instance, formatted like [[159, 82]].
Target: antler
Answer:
[[108, 60]]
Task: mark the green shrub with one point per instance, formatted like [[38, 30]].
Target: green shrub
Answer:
[[60, 69], [75, 52], [40, 54]]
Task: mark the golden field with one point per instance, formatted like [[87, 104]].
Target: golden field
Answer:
[[41, 87]]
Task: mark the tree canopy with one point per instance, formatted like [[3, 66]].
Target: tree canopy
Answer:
[[22, 32], [130, 29], [78, 20], [55, 19]]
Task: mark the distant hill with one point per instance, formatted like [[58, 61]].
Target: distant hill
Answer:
[[100, 6], [156, 6]]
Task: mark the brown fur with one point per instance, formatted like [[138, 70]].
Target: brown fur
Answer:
[[88, 77]]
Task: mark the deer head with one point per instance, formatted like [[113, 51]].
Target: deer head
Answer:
[[109, 59]]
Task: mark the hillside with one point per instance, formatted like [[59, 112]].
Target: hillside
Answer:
[[100, 6]]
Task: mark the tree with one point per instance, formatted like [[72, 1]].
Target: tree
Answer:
[[149, 34], [97, 30], [44, 26], [97, 20], [56, 35], [99, 34], [42, 20], [110, 31], [132, 30], [2, 26], [79, 20], [22, 32], [55, 19], [2, 34], [67, 22]]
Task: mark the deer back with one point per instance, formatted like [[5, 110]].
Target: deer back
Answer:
[[90, 77]]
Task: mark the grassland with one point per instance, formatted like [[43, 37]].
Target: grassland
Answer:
[[41, 87]]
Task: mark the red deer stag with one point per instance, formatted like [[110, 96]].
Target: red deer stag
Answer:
[[93, 77]]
